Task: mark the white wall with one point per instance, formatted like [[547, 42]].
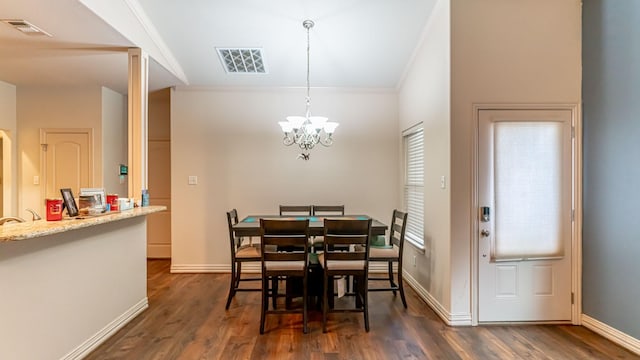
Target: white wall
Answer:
[[114, 139], [8, 121], [503, 51], [424, 96], [230, 139], [53, 107]]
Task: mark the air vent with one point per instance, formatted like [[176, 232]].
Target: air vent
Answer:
[[242, 60], [26, 27]]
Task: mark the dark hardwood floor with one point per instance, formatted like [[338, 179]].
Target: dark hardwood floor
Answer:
[[186, 319]]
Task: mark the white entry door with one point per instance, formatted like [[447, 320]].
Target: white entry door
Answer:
[[67, 160], [524, 194]]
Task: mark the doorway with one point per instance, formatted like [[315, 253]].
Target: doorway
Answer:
[[524, 243]]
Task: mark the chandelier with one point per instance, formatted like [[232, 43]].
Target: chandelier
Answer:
[[307, 131]]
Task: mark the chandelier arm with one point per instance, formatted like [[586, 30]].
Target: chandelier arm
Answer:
[[328, 141], [288, 140]]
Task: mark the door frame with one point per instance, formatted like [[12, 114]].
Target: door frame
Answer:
[[576, 180]]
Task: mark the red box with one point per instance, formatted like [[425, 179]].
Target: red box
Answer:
[[54, 209], [112, 200]]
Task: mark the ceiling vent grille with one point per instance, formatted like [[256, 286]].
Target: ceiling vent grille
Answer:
[[26, 27], [242, 60]]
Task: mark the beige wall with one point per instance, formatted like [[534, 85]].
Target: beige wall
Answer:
[[503, 51], [424, 96], [230, 139], [114, 138], [8, 121], [44, 107]]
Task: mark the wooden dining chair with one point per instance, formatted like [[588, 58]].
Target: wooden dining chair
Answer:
[[295, 210], [392, 253], [324, 210], [285, 251], [335, 262], [240, 253], [327, 210]]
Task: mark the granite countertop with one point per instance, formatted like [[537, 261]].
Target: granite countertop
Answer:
[[33, 229]]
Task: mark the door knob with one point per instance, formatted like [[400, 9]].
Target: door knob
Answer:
[[485, 232]]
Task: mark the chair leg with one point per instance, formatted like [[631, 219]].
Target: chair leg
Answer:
[[232, 286], [305, 329], [365, 300], [274, 291], [391, 283], [357, 287], [400, 286], [238, 273], [325, 302], [265, 302]]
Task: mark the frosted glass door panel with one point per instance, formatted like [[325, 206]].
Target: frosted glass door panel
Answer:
[[528, 178]]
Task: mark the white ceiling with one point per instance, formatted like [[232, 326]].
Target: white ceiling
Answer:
[[355, 43]]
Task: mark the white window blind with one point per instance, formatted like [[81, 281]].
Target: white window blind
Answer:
[[414, 185], [528, 187]]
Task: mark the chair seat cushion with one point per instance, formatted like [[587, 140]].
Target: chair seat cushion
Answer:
[[248, 251], [379, 252], [284, 265], [377, 240], [342, 264]]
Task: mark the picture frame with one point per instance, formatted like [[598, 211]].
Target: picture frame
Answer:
[[98, 193], [69, 202]]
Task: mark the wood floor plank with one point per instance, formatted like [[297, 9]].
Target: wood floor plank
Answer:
[[186, 320]]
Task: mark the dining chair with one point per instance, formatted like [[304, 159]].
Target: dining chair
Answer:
[[285, 251], [240, 253], [354, 262], [327, 210], [324, 210], [391, 253], [295, 210]]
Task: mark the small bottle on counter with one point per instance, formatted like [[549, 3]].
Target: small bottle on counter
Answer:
[[145, 197]]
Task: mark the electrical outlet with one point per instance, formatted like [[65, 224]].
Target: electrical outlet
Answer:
[[443, 182], [193, 180]]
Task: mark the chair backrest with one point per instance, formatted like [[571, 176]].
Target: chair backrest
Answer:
[[234, 242], [291, 235], [320, 210], [341, 233], [398, 228], [295, 210]]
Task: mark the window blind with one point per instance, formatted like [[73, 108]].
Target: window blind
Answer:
[[414, 185]]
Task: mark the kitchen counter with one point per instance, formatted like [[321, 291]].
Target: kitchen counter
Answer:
[[68, 285], [14, 231]]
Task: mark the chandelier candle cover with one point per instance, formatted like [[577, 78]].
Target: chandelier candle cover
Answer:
[[307, 131]]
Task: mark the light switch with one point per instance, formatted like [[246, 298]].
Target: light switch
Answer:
[[193, 180], [36, 180]]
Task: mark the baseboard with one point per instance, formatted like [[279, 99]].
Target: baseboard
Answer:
[[250, 268], [617, 336], [449, 318], [106, 332]]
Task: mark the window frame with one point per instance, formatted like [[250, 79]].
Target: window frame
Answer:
[[415, 221]]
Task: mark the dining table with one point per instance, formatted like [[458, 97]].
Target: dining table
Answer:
[[250, 225]]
